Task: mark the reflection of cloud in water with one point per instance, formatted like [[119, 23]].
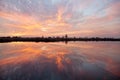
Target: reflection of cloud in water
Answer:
[[47, 61]]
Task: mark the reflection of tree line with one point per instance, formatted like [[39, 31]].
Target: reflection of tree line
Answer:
[[55, 39]]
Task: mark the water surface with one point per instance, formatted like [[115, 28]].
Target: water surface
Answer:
[[60, 61]]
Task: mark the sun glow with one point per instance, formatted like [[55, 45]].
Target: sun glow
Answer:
[[18, 34]]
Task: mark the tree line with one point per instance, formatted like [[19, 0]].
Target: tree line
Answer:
[[54, 39]]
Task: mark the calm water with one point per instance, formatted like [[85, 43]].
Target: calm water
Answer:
[[60, 61]]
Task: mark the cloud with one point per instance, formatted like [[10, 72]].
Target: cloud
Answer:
[[56, 17], [114, 11]]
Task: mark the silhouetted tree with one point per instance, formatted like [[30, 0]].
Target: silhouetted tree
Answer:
[[66, 36]]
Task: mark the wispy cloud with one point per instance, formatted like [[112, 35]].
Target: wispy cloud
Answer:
[[56, 17]]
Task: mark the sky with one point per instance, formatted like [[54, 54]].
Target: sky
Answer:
[[80, 18]]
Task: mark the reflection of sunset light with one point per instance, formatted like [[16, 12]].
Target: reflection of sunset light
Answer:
[[61, 55], [28, 53], [59, 62], [52, 53]]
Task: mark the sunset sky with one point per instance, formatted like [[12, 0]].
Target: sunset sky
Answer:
[[84, 18]]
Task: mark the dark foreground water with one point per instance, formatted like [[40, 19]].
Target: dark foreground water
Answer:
[[60, 61]]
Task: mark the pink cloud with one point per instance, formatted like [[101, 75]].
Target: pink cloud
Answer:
[[114, 10]]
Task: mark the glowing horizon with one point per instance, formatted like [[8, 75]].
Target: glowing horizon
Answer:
[[86, 18]]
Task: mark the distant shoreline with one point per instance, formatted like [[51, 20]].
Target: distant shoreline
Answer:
[[54, 39]]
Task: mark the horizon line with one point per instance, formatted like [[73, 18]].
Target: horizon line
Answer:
[[58, 36]]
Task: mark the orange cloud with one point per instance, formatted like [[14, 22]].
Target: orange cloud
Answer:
[[59, 14]]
